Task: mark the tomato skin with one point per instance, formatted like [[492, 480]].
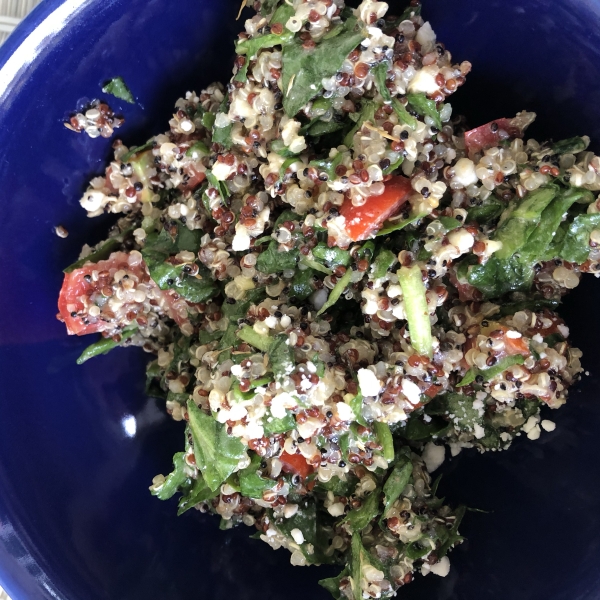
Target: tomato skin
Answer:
[[488, 135], [295, 464], [362, 221], [75, 286]]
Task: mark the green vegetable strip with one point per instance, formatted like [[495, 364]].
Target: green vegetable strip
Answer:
[[137, 150], [336, 292], [403, 114], [104, 345], [417, 313], [385, 437], [383, 263], [248, 335], [103, 252], [487, 374], [359, 518], [313, 264]]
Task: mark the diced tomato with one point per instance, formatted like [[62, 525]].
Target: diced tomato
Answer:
[[512, 345], [433, 390], [76, 288], [362, 221], [295, 464], [195, 179], [466, 292], [491, 134]]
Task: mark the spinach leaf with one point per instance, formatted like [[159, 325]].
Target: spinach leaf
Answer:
[[384, 435], [199, 492], [396, 482], [418, 430], [252, 46], [153, 377], [272, 260], [319, 127], [382, 264], [576, 245], [281, 356], [304, 70], [199, 288], [359, 518], [337, 291], [332, 257], [403, 114], [449, 223], [491, 372], [332, 584], [118, 88], [359, 559], [273, 425], [174, 480], [252, 485], [572, 145], [425, 107], [489, 210], [217, 454], [461, 407], [301, 285]]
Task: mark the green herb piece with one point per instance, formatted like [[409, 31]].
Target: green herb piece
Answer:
[[101, 253], [272, 260], [572, 145], [425, 107], [356, 404], [380, 76], [173, 480], [222, 135], [337, 291], [393, 166], [553, 339], [318, 127], [248, 335], [105, 345], [217, 454], [396, 482], [383, 263], [491, 372], [287, 164], [137, 150], [418, 430], [465, 416], [403, 114], [118, 88], [304, 70], [360, 517], [252, 46], [328, 165], [199, 492], [453, 538], [417, 312], [384, 435], [449, 223], [197, 150], [332, 257], [391, 226], [220, 186]]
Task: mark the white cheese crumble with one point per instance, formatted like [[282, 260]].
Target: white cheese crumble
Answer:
[[411, 391], [433, 456], [368, 382], [548, 425]]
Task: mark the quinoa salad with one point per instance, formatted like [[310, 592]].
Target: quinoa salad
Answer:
[[340, 284]]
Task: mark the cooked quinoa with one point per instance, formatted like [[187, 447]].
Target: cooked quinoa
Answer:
[[340, 283]]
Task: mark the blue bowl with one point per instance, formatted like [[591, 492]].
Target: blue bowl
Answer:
[[80, 445]]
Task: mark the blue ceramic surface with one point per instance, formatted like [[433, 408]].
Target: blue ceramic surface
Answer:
[[80, 445]]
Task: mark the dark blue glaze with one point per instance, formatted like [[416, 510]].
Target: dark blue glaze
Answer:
[[76, 519]]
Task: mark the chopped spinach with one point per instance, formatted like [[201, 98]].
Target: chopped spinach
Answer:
[[425, 107], [119, 89], [174, 480], [105, 345], [272, 260], [337, 291]]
